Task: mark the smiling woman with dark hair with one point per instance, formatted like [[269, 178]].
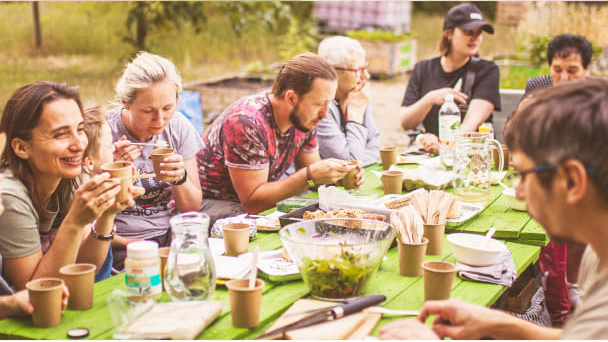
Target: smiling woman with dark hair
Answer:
[[43, 158]]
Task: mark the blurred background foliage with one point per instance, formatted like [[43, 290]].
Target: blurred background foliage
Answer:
[[88, 43]]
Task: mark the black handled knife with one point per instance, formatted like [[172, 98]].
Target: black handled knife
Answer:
[[330, 313]]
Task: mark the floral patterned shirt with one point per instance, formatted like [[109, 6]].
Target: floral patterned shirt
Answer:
[[246, 136]]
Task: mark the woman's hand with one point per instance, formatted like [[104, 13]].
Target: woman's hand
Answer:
[[428, 142], [93, 198], [437, 96], [124, 151], [173, 167]]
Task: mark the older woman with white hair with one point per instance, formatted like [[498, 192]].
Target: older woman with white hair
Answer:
[[148, 93], [349, 131]]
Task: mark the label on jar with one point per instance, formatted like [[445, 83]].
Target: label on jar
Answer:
[[143, 281]]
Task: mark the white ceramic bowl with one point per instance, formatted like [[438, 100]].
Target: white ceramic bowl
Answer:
[[468, 249], [514, 202]]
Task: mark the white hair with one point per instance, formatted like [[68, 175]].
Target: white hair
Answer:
[[340, 51], [145, 70]]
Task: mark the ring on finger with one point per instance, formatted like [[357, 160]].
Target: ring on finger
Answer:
[[99, 200]]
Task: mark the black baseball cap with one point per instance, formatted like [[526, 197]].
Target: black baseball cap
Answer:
[[466, 17]]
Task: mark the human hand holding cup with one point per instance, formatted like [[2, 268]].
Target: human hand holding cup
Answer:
[[167, 173], [46, 296]]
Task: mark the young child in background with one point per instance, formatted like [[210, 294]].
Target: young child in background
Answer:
[[99, 152]]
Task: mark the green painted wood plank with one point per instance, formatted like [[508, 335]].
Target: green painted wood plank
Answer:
[[533, 231]]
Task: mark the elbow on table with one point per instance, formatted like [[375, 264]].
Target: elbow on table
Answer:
[[255, 207]]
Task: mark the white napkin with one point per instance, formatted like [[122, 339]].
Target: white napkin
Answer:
[[503, 273], [173, 320]]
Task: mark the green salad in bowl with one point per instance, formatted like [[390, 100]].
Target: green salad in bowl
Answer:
[[337, 257]]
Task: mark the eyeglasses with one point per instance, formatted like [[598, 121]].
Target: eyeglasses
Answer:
[[514, 178], [472, 33], [357, 70]]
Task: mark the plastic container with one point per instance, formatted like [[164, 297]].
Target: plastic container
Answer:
[[142, 270], [449, 124]]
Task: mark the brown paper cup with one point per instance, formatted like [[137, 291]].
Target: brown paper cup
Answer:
[[236, 238], [80, 280], [411, 257], [245, 303], [438, 278], [122, 170], [388, 155], [45, 295], [434, 232], [349, 181], [157, 157], [393, 182], [163, 253], [506, 157]]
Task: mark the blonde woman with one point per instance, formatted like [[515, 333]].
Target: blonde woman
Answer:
[[147, 94]]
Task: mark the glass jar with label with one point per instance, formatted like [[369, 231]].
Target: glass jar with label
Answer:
[[142, 270]]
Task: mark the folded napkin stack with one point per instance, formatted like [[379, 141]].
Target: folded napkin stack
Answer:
[[503, 273]]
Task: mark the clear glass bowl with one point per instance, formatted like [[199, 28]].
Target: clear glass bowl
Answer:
[[337, 257]]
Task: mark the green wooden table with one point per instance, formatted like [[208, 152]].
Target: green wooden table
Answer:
[[401, 292]]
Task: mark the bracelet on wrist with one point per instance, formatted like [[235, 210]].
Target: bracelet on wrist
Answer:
[[183, 180], [108, 237]]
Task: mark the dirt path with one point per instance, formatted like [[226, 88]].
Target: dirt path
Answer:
[[386, 97]]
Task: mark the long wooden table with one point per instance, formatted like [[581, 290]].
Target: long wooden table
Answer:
[[401, 292]]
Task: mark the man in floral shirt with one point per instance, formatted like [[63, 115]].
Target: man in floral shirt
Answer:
[[255, 140]]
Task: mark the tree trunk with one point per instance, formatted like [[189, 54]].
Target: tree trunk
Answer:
[[37, 35], [142, 25]]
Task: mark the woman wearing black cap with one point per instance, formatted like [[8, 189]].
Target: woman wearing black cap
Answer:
[[433, 78]]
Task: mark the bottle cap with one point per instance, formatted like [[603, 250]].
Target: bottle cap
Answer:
[[78, 333], [142, 249]]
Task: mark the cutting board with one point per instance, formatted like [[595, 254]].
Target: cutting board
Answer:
[[355, 326]]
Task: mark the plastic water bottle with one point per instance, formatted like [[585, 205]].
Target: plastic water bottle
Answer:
[[449, 124]]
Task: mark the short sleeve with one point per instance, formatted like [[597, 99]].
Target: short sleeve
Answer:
[[487, 84], [243, 144], [19, 235], [414, 87]]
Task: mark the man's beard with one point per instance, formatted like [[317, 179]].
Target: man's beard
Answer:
[[295, 120]]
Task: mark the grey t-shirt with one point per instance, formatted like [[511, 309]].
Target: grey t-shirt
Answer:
[[21, 230], [588, 322], [150, 216], [344, 140]]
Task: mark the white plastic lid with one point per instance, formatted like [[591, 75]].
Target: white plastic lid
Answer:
[[142, 249], [449, 97]]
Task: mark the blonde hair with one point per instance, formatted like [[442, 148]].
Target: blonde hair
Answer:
[[94, 119], [340, 51], [145, 70]]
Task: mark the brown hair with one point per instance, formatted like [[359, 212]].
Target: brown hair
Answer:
[[299, 72], [567, 121], [94, 119], [20, 116], [445, 44]]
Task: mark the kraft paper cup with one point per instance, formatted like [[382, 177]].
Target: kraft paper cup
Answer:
[[393, 182], [245, 303], [163, 253], [506, 157], [438, 279], [388, 155], [349, 181], [46, 295], [122, 170], [158, 156], [411, 257], [434, 232], [236, 238], [80, 280]]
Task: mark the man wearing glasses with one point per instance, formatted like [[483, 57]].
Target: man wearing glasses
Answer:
[[558, 141], [348, 132]]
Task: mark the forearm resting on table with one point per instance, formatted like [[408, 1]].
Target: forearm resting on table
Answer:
[[413, 115], [268, 194], [513, 328], [479, 111]]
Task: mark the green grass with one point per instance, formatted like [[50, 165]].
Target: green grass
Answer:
[[82, 44], [515, 77]]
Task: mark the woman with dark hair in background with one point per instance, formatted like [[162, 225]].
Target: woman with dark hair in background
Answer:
[[433, 78]]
